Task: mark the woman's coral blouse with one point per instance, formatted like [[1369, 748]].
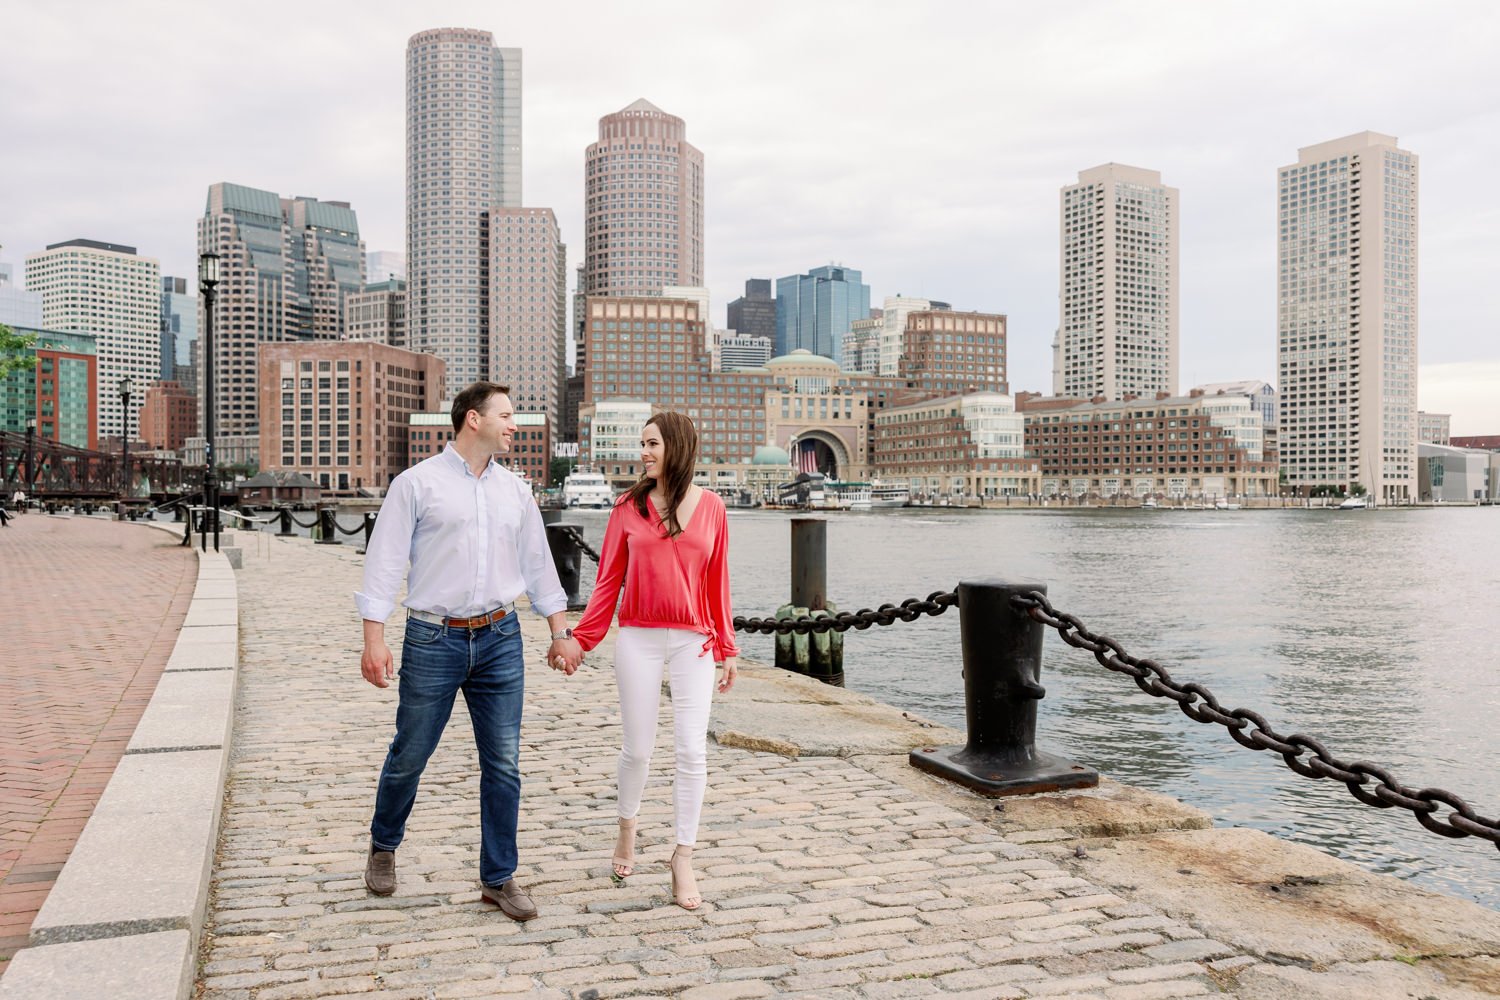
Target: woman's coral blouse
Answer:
[[680, 582]]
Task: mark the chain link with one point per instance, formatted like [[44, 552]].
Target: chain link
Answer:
[[311, 524], [908, 610], [1303, 754], [577, 537]]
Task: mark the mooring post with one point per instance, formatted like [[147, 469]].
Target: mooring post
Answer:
[[1002, 654], [817, 654], [809, 562], [369, 527], [328, 527], [286, 523], [568, 557]]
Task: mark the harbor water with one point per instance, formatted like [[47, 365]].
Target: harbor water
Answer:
[[1373, 631]]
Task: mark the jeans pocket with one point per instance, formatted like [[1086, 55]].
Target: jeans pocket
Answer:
[[420, 633], [508, 626]]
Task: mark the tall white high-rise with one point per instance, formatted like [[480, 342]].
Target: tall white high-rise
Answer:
[[463, 158], [110, 292], [1346, 316], [1117, 332]]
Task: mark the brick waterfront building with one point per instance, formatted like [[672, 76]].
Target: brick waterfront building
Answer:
[[1174, 446], [169, 416], [338, 411], [967, 445]]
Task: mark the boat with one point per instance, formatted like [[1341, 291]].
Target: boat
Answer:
[[807, 490], [1148, 504], [587, 489], [847, 496], [884, 495], [1223, 504], [1355, 503]]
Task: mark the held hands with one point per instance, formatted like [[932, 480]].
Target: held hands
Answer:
[[376, 663], [565, 655], [731, 671]]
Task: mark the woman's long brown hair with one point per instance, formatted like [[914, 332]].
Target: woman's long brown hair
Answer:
[[679, 440]]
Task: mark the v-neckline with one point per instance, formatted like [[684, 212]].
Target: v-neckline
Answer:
[[660, 520]]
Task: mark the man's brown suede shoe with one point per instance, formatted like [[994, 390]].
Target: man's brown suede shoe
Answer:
[[380, 872], [511, 898]]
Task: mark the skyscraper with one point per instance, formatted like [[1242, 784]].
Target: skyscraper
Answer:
[[287, 264], [106, 290], [463, 158], [18, 306], [1346, 316], [179, 325], [643, 200], [754, 313], [1117, 333], [814, 310], [529, 310]]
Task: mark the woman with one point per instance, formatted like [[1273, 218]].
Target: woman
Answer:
[[667, 545]]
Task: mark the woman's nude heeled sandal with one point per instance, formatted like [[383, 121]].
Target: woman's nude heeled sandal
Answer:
[[687, 897], [625, 867]]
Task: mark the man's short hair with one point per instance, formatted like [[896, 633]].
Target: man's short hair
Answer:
[[475, 397]]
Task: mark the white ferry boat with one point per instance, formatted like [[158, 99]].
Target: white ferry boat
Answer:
[[848, 496], [884, 495], [587, 489]]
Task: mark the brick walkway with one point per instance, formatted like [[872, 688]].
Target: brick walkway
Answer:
[[89, 611], [822, 879]]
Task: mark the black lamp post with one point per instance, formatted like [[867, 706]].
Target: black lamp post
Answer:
[[208, 280], [30, 454], [126, 389]]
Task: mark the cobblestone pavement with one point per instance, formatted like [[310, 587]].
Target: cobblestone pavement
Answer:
[[822, 879], [89, 611]]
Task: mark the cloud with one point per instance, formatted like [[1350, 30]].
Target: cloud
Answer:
[[924, 146]]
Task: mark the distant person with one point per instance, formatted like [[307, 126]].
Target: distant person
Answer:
[[4, 516], [475, 541], [667, 545], [19, 499]]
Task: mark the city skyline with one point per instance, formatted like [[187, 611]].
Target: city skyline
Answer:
[[974, 226]]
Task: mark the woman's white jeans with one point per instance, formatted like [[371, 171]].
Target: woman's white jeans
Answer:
[[640, 655]]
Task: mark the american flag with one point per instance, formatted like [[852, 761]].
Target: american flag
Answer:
[[807, 457]]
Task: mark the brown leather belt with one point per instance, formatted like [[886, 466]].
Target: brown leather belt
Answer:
[[478, 621]]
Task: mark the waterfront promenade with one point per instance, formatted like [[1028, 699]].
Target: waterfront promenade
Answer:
[[89, 612], [826, 876], [831, 869]]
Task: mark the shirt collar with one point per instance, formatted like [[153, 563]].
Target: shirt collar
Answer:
[[457, 463]]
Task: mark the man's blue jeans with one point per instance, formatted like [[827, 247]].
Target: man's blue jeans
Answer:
[[436, 663]]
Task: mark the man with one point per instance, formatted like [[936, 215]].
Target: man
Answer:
[[475, 541]]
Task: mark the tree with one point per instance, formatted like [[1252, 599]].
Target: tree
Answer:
[[13, 351], [558, 470]]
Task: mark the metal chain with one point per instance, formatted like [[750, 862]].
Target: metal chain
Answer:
[[908, 610], [311, 524], [1250, 729], [577, 537]]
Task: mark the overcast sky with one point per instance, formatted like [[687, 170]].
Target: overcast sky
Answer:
[[923, 144]]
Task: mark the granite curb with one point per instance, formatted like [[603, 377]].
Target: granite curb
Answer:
[[128, 908]]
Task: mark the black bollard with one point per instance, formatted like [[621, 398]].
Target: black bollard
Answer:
[[810, 562], [1002, 651], [328, 530], [551, 516], [568, 558], [177, 513], [286, 523], [369, 529]]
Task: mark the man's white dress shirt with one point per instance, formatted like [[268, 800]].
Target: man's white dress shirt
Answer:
[[473, 543]]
